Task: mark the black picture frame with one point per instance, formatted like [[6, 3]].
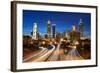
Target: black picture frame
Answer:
[[14, 34]]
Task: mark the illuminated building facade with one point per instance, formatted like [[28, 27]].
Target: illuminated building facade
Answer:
[[49, 28], [74, 35], [34, 31], [81, 28], [53, 31]]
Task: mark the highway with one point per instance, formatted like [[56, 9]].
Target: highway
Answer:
[[72, 55], [54, 54], [40, 56], [30, 57]]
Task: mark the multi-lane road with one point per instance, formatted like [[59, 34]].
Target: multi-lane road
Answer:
[[53, 54]]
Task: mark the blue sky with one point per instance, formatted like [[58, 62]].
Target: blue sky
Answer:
[[63, 20]]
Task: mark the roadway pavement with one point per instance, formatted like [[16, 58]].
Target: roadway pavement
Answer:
[[53, 54]]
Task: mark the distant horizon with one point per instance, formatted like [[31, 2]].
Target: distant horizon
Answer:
[[63, 21]]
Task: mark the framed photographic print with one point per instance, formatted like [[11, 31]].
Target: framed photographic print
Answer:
[[47, 36]]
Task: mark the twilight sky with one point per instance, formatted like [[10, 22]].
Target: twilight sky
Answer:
[[63, 21]]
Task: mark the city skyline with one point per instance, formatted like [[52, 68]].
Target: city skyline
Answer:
[[63, 21]]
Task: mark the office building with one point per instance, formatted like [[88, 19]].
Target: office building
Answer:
[[81, 28], [49, 29], [53, 31], [34, 31]]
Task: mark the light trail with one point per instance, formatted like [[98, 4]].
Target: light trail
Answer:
[[45, 56], [43, 50], [72, 55], [55, 55]]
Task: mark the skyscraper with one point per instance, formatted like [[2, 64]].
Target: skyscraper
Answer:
[[49, 28], [53, 30], [74, 35], [81, 28], [34, 31]]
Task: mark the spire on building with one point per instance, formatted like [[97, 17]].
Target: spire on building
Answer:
[[74, 28], [49, 22], [80, 21]]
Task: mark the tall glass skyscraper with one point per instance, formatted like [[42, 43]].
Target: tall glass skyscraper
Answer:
[[53, 30], [81, 28], [49, 28], [34, 31]]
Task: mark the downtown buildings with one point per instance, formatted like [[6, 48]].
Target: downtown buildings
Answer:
[[51, 30], [51, 33]]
